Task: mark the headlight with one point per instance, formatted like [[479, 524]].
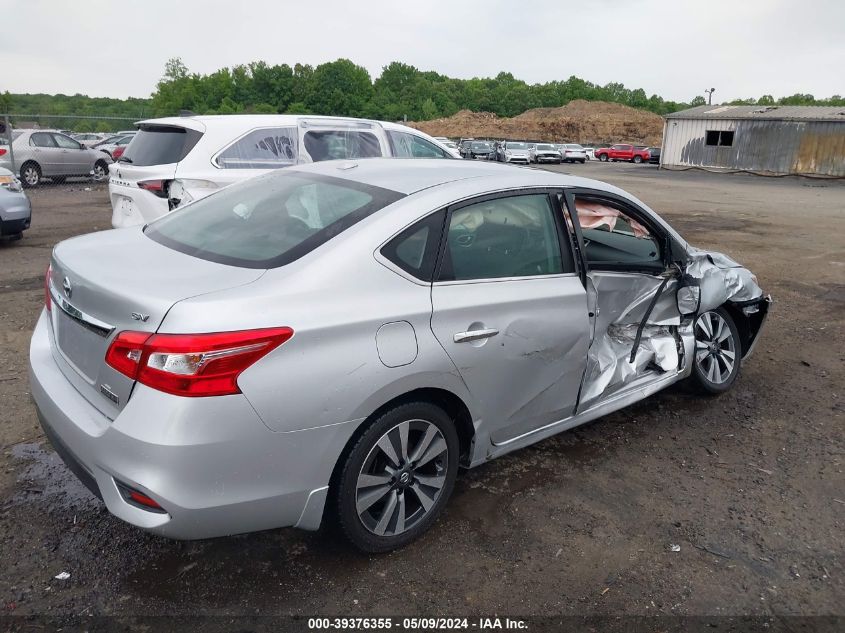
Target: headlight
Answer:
[[10, 183], [508, 154]]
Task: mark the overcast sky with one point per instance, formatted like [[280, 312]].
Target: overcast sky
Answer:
[[674, 48]]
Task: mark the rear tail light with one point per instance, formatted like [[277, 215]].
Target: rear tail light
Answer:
[[156, 187], [118, 152], [192, 364], [2, 151], [48, 302]]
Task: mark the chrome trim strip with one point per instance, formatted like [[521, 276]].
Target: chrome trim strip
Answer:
[[87, 321]]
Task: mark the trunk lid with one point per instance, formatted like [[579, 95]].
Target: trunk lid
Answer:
[[105, 283]]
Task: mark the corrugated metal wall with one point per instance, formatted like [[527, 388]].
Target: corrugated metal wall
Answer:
[[774, 147]]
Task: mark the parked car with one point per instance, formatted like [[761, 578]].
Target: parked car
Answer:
[[590, 152], [654, 155], [544, 153], [49, 154], [345, 335], [476, 149], [15, 209], [622, 151], [173, 161], [449, 145], [572, 152], [513, 152], [89, 139], [111, 144]]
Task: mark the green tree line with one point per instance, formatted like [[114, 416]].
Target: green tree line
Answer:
[[343, 88]]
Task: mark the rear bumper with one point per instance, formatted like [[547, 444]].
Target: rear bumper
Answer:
[[211, 463]]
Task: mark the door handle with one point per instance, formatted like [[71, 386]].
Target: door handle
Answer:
[[474, 335]]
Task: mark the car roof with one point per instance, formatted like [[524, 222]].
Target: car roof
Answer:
[[410, 175], [202, 122]]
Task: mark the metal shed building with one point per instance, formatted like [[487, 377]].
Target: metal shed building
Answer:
[[774, 140]]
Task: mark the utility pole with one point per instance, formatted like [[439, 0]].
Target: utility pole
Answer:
[[709, 94]]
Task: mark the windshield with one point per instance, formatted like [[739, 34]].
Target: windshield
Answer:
[[545, 146], [516, 146], [269, 221], [160, 145], [481, 146]]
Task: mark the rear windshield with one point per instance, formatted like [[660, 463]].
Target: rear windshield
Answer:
[[269, 221], [160, 145]]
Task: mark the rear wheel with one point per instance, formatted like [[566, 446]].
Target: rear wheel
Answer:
[[398, 477], [101, 171], [30, 174], [603, 158], [716, 362], [583, 160], [638, 159]]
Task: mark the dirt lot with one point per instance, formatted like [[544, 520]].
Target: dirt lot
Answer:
[[749, 485]]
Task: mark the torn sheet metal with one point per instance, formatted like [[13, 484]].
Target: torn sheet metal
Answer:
[[621, 300], [721, 279]]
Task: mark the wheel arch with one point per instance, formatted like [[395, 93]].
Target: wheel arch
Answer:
[[452, 404]]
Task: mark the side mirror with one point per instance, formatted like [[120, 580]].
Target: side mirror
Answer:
[[688, 296]]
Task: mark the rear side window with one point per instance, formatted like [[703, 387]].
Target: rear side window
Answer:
[[334, 144], [267, 148], [414, 250], [42, 139], [160, 145], [271, 220], [412, 146]]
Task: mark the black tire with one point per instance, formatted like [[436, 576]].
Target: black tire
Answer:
[[30, 174], [582, 161], [711, 353], [100, 165], [637, 159], [603, 158], [364, 456]]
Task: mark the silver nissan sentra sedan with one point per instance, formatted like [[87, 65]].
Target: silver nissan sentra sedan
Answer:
[[338, 339]]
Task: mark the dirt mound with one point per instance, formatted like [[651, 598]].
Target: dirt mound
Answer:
[[596, 122]]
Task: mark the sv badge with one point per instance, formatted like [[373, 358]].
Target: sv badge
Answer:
[[137, 316]]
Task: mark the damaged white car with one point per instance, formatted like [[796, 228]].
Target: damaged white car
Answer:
[[347, 334]]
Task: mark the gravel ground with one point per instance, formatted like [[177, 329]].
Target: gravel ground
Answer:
[[749, 485]]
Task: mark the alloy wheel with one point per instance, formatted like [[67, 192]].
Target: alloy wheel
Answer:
[[31, 176], [402, 477], [715, 347], [99, 172]]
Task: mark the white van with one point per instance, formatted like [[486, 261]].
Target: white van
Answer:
[[175, 160]]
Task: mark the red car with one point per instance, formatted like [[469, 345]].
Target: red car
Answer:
[[621, 151]]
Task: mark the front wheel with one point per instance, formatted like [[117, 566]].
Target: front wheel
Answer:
[[638, 159], [398, 477], [716, 363]]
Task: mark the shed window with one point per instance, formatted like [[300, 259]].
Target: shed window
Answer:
[[724, 138]]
